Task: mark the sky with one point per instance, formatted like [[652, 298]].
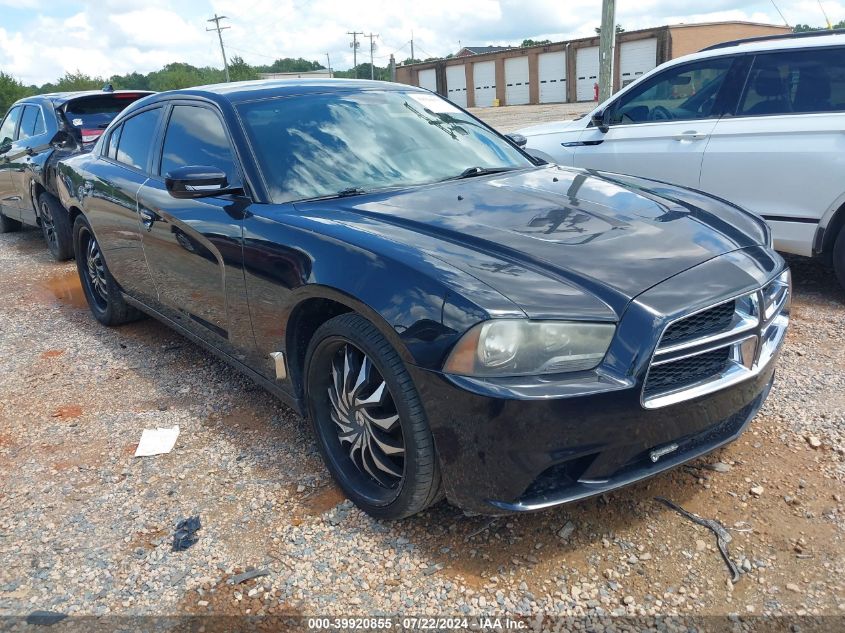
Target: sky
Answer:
[[40, 41]]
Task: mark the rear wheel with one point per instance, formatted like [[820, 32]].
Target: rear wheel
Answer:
[[56, 227], [839, 257], [101, 291], [368, 419], [8, 225]]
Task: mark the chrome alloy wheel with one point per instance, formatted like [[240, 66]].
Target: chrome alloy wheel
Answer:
[[96, 270], [47, 225], [364, 413]]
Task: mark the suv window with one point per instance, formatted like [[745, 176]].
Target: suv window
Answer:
[[7, 130], [681, 93], [114, 137], [195, 136], [794, 82], [32, 122], [136, 139]]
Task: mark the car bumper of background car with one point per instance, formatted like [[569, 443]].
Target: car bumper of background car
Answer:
[[503, 455]]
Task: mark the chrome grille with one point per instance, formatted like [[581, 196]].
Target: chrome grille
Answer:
[[718, 346]]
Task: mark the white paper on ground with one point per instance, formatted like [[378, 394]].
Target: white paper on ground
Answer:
[[157, 441]]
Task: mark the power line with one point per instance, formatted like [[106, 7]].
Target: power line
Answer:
[[216, 19], [779, 13]]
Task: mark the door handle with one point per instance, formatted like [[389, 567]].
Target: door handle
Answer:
[[148, 218], [690, 135]]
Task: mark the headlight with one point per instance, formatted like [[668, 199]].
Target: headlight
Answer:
[[516, 347]]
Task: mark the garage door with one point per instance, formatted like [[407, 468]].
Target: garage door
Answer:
[[456, 85], [551, 70], [636, 59], [516, 81], [484, 76], [587, 70], [428, 79]]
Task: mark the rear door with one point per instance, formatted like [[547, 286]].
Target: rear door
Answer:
[[110, 200], [782, 155], [659, 129], [194, 247], [33, 140], [9, 197]]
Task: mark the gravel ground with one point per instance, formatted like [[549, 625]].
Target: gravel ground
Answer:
[[511, 118], [86, 528]]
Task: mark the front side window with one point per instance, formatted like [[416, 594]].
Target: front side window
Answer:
[[795, 82], [136, 139], [195, 136], [10, 123], [319, 145], [683, 93]]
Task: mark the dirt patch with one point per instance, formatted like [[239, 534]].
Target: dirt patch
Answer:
[[68, 411], [321, 501], [63, 288], [51, 353]]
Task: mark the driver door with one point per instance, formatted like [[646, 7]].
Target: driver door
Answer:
[[660, 128]]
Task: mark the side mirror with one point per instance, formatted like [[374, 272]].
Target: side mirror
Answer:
[[194, 181], [517, 139], [599, 120]]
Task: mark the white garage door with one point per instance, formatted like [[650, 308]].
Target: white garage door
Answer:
[[636, 59], [456, 85], [516, 81], [428, 79], [551, 70], [484, 76], [587, 70]]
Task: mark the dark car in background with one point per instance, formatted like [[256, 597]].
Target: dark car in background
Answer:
[[454, 318], [35, 134]]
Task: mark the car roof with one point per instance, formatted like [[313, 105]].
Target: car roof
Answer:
[[241, 91], [762, 45]]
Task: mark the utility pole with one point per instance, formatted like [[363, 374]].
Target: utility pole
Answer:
[[392, 68], [607, 42], [412, 47], [354, 44], [216, 19], [329, 62], [372, 47]]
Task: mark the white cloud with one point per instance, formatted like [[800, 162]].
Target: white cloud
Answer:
[[106, 37]]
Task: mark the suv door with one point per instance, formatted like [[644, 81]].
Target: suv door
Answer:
[[111, 204], [660, 128], [9, 203], [782, 154], [194, 247]]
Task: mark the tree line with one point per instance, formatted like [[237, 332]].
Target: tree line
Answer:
[[172, 77]]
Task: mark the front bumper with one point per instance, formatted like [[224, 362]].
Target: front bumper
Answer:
[[532, 444]]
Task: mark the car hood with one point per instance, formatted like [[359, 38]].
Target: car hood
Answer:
[[554, 127], [612, 236]]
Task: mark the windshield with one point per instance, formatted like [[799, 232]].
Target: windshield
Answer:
[[328, 144]]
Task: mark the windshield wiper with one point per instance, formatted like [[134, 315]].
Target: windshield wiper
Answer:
[[349, 191], [470, 172]]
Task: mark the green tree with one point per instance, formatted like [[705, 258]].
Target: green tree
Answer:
[[239, 70], [74, 81], [290, 65], [803, 28], [10, 91], [527, 43]]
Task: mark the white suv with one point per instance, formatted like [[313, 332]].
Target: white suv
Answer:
[[759, 123]]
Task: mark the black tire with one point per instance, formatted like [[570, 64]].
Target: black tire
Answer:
[[56, 227], [839, 257], [352, 339], [8, 225], [101, 291]]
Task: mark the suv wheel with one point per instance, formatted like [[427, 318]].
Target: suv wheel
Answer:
[[101, 291], [368, 419], [839, 257], [56, 226], [8, 225]]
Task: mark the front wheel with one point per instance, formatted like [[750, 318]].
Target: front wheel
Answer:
[[370, 425], [101, 291], [839, 257]]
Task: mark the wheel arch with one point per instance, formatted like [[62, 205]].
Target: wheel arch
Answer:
[[833, 224]]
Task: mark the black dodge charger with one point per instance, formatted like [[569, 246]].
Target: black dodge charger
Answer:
[[454, 319]]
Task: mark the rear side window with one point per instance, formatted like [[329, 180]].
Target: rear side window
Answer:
[[136, 139], [195, 136], [111, 151], [10, 123], [32, 123], [795, 82], [91, 115]]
